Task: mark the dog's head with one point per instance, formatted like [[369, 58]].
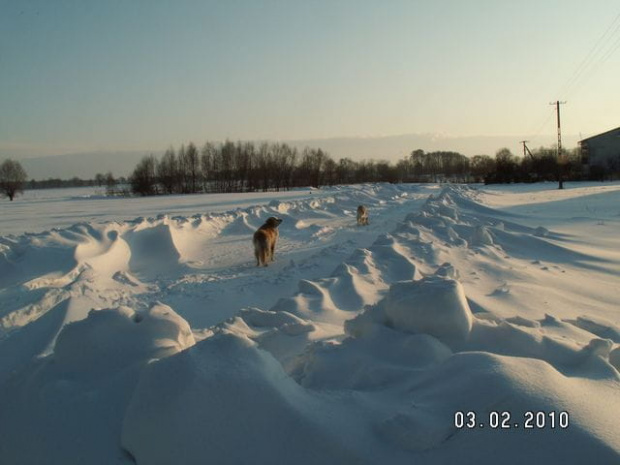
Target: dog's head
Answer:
[[273, 222]]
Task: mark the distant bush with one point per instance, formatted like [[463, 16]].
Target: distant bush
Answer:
[[12, 178], [540, 165]]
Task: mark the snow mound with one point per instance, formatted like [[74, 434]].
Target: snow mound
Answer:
[[482, 236], [114, 338], [281, 333], [152, 247], [240, 225], [378, 358], [361, 280], [432, 305], [288, 323], [601, 328], [181, 411], [614, 358], [74, 400]]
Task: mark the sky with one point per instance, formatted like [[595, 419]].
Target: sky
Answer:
[[80, 76]]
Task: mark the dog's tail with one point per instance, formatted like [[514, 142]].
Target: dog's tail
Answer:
[[261, 249]]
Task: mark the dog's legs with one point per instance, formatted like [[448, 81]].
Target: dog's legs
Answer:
[[256, 252]]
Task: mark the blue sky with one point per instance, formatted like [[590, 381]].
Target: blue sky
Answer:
[[143, 75]]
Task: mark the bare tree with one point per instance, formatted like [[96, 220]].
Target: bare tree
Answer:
[[193, 167], [168, 172], [506, 165], [183, 170], [207, 161], [245, 165], [12, 178], [481, 167], [143, 180], [404, 170], [282, 162], [311, 165], [345, 171], [329, 171], [386, 172], [264, 163]]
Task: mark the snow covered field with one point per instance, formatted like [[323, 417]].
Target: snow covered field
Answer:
[[463, 325]]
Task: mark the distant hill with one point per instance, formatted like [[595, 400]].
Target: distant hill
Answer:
[[396, 147], [82, 165]]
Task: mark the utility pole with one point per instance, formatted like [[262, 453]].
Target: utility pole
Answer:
[[560, 157], [526, 149]]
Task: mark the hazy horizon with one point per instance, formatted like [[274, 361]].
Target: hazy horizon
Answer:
[[471, 145], [122, 162]]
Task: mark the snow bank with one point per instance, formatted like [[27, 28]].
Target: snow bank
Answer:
[[373, 360], [502, 367], [433, 305], [68, 407], [182, 411], [118, 337]]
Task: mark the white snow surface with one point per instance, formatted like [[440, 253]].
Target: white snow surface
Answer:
[[156, 339]]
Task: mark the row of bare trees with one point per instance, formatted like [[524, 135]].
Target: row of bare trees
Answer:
[[247, 167], [540, 165], [436, 166]]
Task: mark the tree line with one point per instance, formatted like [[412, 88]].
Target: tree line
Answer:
[[100, 180], [539, 165], [14, 179], [247, 167]]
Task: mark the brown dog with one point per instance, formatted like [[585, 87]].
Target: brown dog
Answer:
[[265, 239], [362, 215]]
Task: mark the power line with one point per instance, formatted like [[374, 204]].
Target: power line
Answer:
[[606, 45], [611, 51], [534, 134], [598, 54]]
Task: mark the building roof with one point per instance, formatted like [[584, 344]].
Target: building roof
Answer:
[[601, 134]]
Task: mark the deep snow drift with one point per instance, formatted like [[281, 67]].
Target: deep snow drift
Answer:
[[469, 325]]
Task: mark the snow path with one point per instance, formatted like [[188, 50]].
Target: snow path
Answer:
[[203, 265]]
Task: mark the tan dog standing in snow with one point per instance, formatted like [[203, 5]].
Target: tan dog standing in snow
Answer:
[[362, 215], [265, 239]]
